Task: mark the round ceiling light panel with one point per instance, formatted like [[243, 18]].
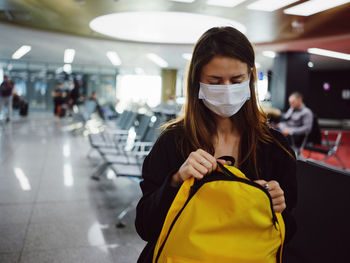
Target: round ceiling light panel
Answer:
[[159, 27]]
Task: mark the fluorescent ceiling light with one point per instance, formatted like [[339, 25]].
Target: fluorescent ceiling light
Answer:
[[270, 54], [270, 5], [224, 3], [21, 52], [183, 1], [67, 68], [158, 60], [313, 6], [114, 58], [159, 27], [187, 56], [69, 55], [329, 53]]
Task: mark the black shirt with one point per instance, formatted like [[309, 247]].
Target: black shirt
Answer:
[[164, 161]]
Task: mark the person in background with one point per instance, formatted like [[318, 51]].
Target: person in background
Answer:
[[81, 99], [297, 121], [6, 89], [75, 93], [59, 98], [94, 107], [93, 96], [221, 118]]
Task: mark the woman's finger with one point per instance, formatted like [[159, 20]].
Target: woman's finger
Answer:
[[279, 208], [278, 201], [207, 157], [208, 166], [223, 162], [261, 182], [276, 193], [273, 185], [193, 172], [200, 167]]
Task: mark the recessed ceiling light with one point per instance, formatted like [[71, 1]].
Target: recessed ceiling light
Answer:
[[187, 56], [158, 60], [21, 52], [329, 53], [69, 55], [268, 53], [159, 27], [114, 58], [313, 6], [224, 3], [270, 5]]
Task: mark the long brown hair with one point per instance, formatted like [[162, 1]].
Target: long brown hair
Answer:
[[198, 121]]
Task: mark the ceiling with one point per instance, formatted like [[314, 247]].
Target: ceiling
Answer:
[[52, 26]]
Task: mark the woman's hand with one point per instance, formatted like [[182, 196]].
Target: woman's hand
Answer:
[[197, 165], [276, 193]]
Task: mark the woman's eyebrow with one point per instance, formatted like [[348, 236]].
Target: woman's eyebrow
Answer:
[[238, 76], [218, 77]]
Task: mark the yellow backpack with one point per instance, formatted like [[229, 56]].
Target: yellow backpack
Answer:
[[225, 217]]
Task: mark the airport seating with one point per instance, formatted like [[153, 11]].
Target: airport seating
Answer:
[[328, 147], [309, 138], [131, 167], [113, 133], [132, 158]]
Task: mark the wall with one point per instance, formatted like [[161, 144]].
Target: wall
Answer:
[[329, 103]]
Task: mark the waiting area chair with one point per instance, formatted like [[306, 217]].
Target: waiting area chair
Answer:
[[328, 147], [313, 142]]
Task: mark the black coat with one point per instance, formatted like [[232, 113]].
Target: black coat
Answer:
[[163, 162]]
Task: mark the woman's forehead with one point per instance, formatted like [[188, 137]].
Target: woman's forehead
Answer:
[[225, 65]]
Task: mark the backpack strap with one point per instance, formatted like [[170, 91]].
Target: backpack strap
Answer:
[[176, 206], [282, 226]]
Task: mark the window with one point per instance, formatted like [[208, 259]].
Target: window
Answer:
[[139, 89]]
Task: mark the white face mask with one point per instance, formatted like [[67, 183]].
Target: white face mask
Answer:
[[224, 100]]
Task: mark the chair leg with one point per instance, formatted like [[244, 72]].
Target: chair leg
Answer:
[[337, 157], [89, 153], [98, 171], [340, 161], [120, 222]]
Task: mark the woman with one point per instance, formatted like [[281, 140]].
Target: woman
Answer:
[[221, 119]]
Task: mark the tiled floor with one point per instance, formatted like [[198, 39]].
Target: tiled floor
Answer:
[[50, 210]]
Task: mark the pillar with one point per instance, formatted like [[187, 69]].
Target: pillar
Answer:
[[290, 73], [168, 84]]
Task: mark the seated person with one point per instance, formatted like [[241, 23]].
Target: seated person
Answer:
[[297, 121]]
